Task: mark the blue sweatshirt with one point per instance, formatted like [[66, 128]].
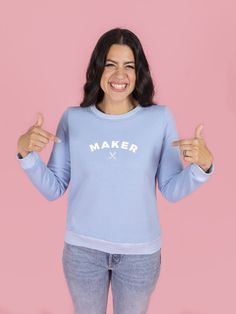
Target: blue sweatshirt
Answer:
[[111, 165]]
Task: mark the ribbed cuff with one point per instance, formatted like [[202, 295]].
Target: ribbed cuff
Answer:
[[199, 173], [29, 160]]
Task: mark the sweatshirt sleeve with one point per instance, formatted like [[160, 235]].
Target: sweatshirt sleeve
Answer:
[[175, 181], [52, 179]]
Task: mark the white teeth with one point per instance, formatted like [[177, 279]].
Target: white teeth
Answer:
[[118, 86]]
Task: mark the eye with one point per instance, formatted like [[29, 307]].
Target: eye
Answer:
[[110, 64]]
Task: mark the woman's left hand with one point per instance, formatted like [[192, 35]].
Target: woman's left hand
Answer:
[[196, 150]]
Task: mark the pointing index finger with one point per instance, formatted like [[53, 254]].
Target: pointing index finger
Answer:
[[182, 142], [48, 135]]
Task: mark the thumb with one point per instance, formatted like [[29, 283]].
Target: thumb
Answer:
[[198, 131], [40, 120]]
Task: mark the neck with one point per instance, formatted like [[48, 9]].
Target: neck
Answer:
[[116, 109]]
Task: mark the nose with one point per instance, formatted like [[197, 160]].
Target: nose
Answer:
[[120, 72]]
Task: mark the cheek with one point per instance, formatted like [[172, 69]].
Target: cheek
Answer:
[[104, 83], [133, 81], [105, 78], [132, 77]]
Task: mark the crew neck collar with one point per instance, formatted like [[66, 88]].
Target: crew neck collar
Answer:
[[115, 116]]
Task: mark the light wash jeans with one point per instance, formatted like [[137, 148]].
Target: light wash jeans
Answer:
[[88, 273]]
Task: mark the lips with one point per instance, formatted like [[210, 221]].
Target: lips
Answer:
[[113, 82], [120, 89]]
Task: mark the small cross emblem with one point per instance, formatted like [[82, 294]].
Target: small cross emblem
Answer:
[[112, 155]]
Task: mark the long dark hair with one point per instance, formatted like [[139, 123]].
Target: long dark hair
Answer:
[[144, 87]]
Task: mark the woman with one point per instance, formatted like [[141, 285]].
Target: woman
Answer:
[[113, 149]]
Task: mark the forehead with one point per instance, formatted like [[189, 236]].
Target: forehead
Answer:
[[120, 52]]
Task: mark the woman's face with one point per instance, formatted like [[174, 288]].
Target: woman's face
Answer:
[[119, 69]]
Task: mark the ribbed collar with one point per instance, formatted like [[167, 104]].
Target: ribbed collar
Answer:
[[115, 116]]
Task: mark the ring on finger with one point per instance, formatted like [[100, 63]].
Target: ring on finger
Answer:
[[185, 153]]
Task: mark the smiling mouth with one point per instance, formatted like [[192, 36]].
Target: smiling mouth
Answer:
[[118, 87]]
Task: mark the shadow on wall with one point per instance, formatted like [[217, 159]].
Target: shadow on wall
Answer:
[[189, 312], [7, 311]]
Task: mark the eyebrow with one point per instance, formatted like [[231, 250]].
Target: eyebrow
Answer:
[[117, 62]]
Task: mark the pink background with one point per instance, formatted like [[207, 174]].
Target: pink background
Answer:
[[191, 49]]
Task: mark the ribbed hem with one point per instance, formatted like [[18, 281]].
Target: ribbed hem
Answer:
[[112, 247]]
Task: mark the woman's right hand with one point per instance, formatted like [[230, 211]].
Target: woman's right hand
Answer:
[[35, 139]]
